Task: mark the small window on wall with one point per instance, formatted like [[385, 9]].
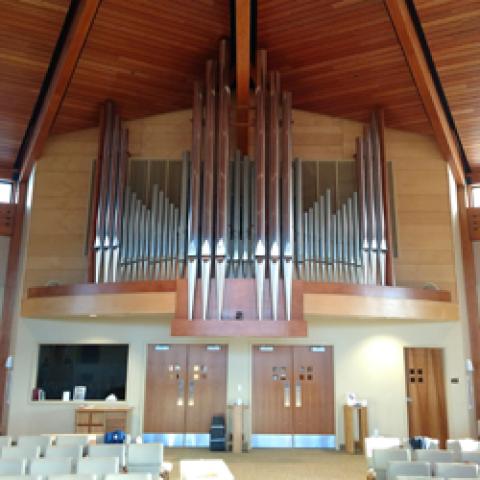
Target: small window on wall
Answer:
[[476, 196], [5, 192], [102, 369]]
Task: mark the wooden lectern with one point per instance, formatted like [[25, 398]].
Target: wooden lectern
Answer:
[[238, 412], [349, 412]]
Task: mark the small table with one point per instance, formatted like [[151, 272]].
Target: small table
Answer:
[[204, 470]]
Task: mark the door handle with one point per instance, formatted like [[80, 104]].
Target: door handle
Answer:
[[286, 394], [298, 394], [180, 391], [191, 393]]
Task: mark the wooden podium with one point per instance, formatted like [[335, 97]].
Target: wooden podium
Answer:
[[349, 414], [238, 412]]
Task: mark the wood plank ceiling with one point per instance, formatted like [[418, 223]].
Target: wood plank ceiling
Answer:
[[452, 30], [29, 30], [341, 57], [145, 55]]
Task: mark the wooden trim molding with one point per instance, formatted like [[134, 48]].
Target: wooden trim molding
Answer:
[[7, 218], [407, 36], [470, 291], [67, 62]]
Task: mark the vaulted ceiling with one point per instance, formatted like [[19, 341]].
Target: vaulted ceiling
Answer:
[[452, 30], [338, 57], [29, 31]]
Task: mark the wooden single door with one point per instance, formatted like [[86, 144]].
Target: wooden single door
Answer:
[[313, 388], [206, 386], [272, 384], [165, 389], [427, 413]]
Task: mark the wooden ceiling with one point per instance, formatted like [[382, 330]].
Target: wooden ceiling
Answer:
[[452, 30], [144, 55], [338, 57], [341, 58], [29, 30]]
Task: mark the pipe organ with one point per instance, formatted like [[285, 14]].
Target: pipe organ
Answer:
[[241, 218]]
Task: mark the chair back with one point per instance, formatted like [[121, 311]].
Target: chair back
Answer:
[[129, 476], [98, 465], [13, 466], [435, 456], [396, 468], [51, 466], [145, 453], [42, 441], [64, 451], [30, 451], [381, 457], [455, 470], [109, 450]]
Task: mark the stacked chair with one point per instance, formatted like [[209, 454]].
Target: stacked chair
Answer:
[[392, 461], [75, 457]]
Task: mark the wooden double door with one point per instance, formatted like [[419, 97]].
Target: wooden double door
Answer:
[[427, 412], [185, 387], [293, 390]]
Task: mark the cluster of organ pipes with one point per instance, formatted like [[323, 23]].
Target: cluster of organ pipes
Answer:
[[238, 217]]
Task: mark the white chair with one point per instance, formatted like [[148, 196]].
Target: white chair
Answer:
[[381, 457], [99, 466], [129, 476], [109, 450], [396, 468], [74, 439], [379, 443], [64, 451], [76, 476], [51, 466], [145, 458], [5, 441], [416, 477], [42, 441], [462, 445], [434, 456], [29, 452], [22, 477], [13, 466], [470, 457], [455, 470]]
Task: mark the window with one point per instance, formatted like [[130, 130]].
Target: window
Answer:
[[102, 369], [5, 192], [476, 197]]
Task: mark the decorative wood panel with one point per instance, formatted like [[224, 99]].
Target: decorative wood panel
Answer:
[[7, 216], [452, 33], [474, 223], [29, 32]]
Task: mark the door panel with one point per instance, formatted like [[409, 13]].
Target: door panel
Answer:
[[206, 386], [165, 389], [427, 415], [313, 398], [272, 384]]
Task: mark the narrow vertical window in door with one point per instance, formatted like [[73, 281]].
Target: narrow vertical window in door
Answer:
[[427, 413]]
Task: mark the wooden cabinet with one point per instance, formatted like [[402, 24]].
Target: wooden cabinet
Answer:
[[101, 420], [352, 446]]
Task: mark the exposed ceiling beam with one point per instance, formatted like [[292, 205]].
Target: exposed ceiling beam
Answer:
[[242, 48], [412, 48], [76, 36]]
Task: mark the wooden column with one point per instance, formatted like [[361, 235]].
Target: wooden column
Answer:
[[470, 279], [10, 296]]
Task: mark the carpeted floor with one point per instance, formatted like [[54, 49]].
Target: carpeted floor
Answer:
[[278, 464]]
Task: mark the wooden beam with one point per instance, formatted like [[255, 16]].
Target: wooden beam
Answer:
[[470, 291], [407, 36], [7, 173], [10, 295], [242, 42], [82, 21]]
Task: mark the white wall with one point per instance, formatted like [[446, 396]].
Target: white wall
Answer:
[[368, 360]]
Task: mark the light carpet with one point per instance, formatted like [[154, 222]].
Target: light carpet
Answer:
[[278, 464]]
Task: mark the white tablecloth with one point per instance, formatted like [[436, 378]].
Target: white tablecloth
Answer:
[[204, 470]]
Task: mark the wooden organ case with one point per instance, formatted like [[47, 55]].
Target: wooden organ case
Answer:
[[238, 241]]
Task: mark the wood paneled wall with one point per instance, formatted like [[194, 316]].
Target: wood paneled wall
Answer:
[[60, 205]]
